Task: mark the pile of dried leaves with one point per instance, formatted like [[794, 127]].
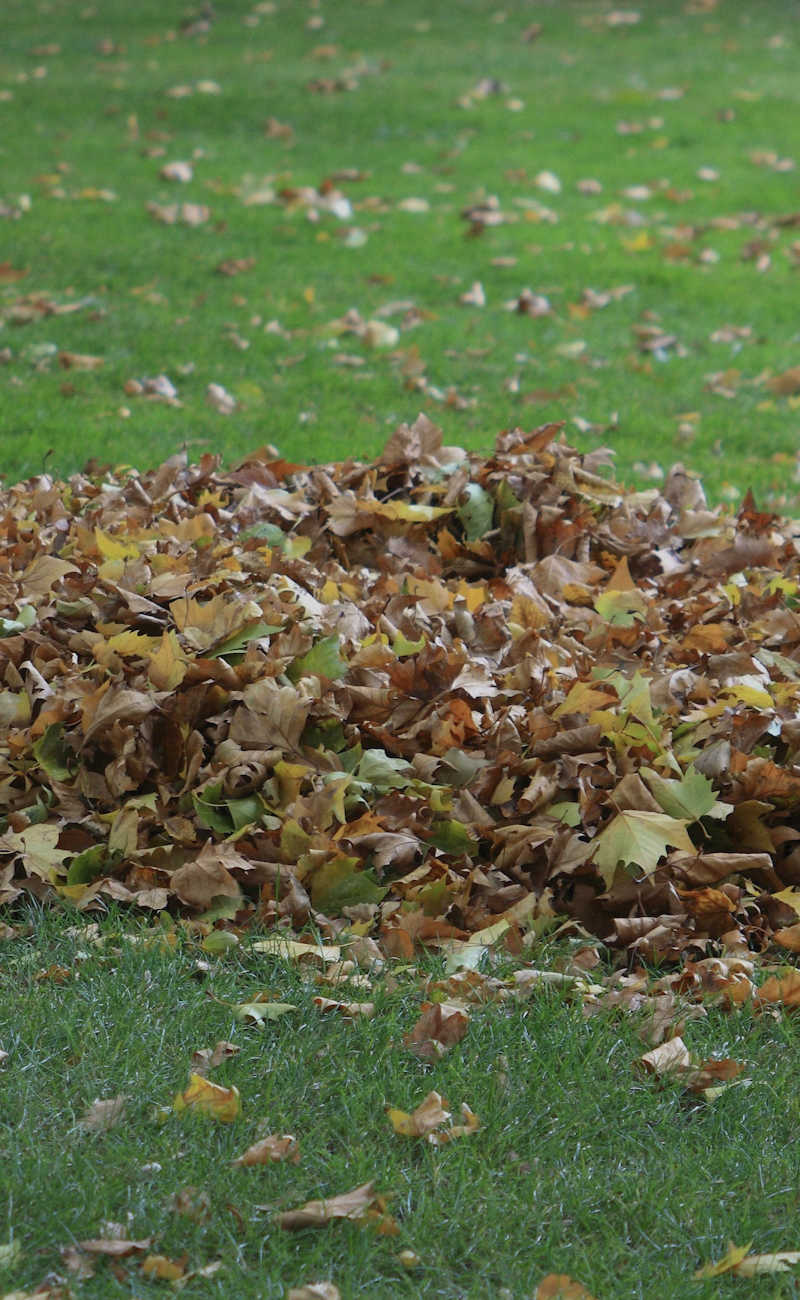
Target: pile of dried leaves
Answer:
[[415, 698]]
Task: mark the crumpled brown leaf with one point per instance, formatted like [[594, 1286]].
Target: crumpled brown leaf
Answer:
[[439, 1028], [318, 1214]]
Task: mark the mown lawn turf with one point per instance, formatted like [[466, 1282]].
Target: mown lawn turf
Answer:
[[582, 1165], [452, 104]]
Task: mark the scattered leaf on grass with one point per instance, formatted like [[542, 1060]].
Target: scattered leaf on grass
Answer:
[[115, 1247], [314, 1291], [559, 1286], [439, 1028], [270, 1149], [163, 1268], [318, 1214], [260, 1012], [208, 1058], [351, 1010], [223, 1104], [102, 1115], [427, 1118]]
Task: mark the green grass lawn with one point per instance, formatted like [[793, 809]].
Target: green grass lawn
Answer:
[[581, 1166], [333, 150]]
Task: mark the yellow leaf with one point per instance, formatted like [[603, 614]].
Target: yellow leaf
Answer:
[[167, 1270], [584, 697], [759, 699], [559, 1286], [168, 665], [733, 1256], [427, 1116], [791, 897], [209, 1098], [113, 548]]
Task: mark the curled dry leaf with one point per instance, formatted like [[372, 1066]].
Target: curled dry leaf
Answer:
[[314, 1291], [177, 171], [163, 1268], [427, 1118], [352, 1010], [208, 1058], [115, 1247], [781, 990], [439, 1028], [672, 1060], [221, 399], [270, 1149], [318, 1214]]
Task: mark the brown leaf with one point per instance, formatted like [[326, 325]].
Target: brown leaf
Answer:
[[439, 1028], [115, 1247], [208, 1058], [207, 876], [270, 1149], [783, 990], [318, 1214], [103, 1115]]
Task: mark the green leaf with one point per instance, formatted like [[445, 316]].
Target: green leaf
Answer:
[[322, 660], [381, 772], [219, 942], [324, 733], [621, 608], [453, 837], [343, 883], [270, 533], [244, 812], [90, 864], [638, 839], [403, 647], [691, 798], [569, 813], [476, 513], [211, 809], [260, 1012], [235, 645], [25, 619], [52, 754]]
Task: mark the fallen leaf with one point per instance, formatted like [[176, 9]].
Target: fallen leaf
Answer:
[[103, 1115], [559, 1286], [223, 1104], [314, 1291], [439, 1028], [318, 1214], [270, 1149]]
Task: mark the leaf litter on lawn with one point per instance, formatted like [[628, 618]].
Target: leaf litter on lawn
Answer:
[[419, 701]]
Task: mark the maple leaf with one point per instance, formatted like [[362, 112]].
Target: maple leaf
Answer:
[[638, 839], [690, 798]]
